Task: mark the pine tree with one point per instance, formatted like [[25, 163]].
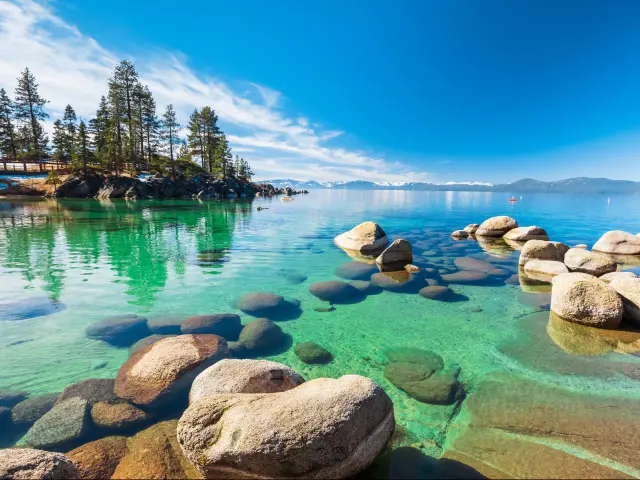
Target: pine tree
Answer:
[[195, 137], [247, 173], [69, 124], [117, 135], [223, 155], [169, 134], [59, 141], [29, 108], [82, 148], [8, 147], [138, 100], [151, 124], [184, 154], [99, 128], [125, 77], [211, 135]]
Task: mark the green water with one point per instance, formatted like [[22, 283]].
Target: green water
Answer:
[[186, 257]]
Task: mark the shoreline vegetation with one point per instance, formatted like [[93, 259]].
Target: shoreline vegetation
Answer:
[[127, 150]]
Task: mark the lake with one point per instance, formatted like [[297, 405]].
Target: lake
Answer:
[[82, 260]]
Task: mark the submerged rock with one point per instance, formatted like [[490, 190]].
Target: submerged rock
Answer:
[[324, 428], [160, 373], [544, 270], [584, 299], [542, 250], [629, 291], [118, 416], [31, 409], [396, 256], [9, 398], [584, 261], [335, 292], [166, 324], [312, 353], [93, 390], [496, 226], [119, 330], [261, 335], [356, 271], [227, 325], [465, 277], [66, 423], [367, 288], [27, 308], [244, 376], [473, 264], [441, 293], [618, 242], [99, 459], [523, 234], [400, 282], [264, 304], [366, 239], [28, 463]]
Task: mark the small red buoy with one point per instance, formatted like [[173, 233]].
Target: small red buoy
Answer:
[[513, 200]]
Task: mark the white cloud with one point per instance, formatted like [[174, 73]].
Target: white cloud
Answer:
[[72, 67]]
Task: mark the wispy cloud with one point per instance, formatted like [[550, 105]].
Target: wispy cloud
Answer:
[[71, 67]]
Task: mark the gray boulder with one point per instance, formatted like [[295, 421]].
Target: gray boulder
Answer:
[[523, 234], [336, 292], [542, 250], [629, 291], [29, 463], [496, 226], [119, 330], [325, 428], [65, 423], [244, 376], [396, 256], [261, 335], [31, 409], [618, 242], [584, 261], [610, 277], [367, 239]]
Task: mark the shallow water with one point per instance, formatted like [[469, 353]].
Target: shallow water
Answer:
[[93, 259]]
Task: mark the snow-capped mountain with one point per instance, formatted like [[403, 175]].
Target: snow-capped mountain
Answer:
[[571, 185]]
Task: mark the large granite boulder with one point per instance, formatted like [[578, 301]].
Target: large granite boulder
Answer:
[[496, 226], [92, 390], [66, 423], [261, 335], [460, 234], [227, 325], [610, 277], [244, 376], [544, 270], [325, 428], [472, 228], [367, 239], [99, 459], [28, 463], [629, 291], [396, 256], [542, 250], [118, 416], [31, 409], [146, 341], [334, 291], [584, 261], [618, 242], [523, 234], [582, 298], [119, 330], [155, 453], [160, 373]]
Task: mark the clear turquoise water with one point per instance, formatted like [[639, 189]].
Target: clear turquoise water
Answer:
[[107, 258]]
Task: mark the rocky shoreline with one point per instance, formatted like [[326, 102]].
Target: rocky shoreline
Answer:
[[158, 187]]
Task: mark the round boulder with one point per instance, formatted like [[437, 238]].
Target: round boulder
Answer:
[[367, 239], [151, 339], [227, 325], [31, 409], [399, 282], [99, 459], [473, 264], [335, 291], [365, 287], [465, 277], [244, 376], [312, 353], [440, 293], [629, 291], [261, 335], [117, 416], [582, 298], [29, 463], [523, 234], [496, 226], [119, 330], [163, 371], [9, 398], [460, 234], [618, 242], [584, 261], [165, 324], [348, 420], [93, 390], [542, 250], [261, 304], [356, 271], [544, 270], [396, 256], [610, 277], [472, 228]]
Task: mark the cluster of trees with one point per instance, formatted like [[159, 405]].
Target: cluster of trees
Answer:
[[126, 133]]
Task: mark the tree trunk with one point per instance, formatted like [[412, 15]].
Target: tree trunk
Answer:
[[173, 165]]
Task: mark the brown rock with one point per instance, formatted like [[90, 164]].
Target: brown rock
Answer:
[[496, 226], [523, 234], [93, 390], [159, 373], [396, 256], [227, 325], [460, 234], [29, 463], [472, 228], [100, 458], [155, 453], [117, 416], [542, 250], [366, 239]]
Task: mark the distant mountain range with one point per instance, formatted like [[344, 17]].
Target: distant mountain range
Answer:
[[526, 185]]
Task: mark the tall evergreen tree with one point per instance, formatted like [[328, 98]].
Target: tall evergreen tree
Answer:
[[83, 149], [223, 155], [195, 137], [125, 77], [117, 134], [138, 101], [8, 141], [99, 129], [151, 124], [59, 142], [69, 123], [184, 154], [29, 108], [169, 134], [211, 135]]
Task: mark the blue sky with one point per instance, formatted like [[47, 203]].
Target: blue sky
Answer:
[[447, 90]]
